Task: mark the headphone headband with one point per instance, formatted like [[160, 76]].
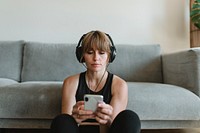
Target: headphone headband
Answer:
[[79, 51]]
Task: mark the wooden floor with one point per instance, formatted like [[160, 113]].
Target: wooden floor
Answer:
[[143, 131], [172, 131]]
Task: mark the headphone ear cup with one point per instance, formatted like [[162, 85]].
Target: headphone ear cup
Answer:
[[79, 54], [112, 49], [79, 51], [112, 54]]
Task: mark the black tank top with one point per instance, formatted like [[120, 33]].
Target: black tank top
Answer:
[[83, 88]]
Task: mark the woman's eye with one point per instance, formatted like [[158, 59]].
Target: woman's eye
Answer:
[[89, 52], [102, 52]]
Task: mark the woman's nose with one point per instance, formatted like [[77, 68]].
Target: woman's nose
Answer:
[[96, 56]]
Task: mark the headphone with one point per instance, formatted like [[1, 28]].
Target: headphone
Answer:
[[79, 51]]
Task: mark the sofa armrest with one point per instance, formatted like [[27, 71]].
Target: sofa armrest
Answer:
[[183, 69]]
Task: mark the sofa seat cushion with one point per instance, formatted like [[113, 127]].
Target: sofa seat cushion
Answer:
[[5, 82], [153, 101], [32, 100]]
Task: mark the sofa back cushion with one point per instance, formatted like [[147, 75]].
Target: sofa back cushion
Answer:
[[49, 62], [54, 62], [138, 63], [11, 59]]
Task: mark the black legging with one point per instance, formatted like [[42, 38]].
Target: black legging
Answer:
[[126, 122]]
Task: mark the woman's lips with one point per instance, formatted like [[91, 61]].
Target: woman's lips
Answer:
[[96, 65]]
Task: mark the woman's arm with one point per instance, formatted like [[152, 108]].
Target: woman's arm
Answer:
[[107, 112], [68, 94], [69, 104], [119, 96]]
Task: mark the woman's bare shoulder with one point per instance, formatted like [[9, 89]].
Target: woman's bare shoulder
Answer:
[[119, 85], [72, 78], [118, 81], [71, 81]]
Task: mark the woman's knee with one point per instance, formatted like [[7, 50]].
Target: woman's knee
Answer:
[[128, 121], [129, 115], [63, 118], [62, 122]]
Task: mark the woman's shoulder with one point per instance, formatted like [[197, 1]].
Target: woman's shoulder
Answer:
[[71, 80], [117, 78], [119, 87], [72, 77], [119, 82], [71, 83]]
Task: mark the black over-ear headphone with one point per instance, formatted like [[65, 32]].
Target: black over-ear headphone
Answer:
[[79, 51]]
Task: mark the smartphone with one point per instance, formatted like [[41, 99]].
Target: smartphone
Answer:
[[91, 101]]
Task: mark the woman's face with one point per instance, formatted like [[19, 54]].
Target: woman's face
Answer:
[[96, 60]]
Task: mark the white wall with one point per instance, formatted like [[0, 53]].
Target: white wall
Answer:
[[165, 22]]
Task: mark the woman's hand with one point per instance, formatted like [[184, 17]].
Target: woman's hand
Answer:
[[80, 114], [104, 113]]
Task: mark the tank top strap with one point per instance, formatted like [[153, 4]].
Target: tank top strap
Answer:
[[82, 87]]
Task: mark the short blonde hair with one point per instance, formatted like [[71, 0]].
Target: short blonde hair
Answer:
[[96, 40]]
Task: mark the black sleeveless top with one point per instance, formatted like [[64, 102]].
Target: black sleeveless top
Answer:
[[83, 88]]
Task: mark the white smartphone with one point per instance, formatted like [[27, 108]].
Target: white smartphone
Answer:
[[91, 101]]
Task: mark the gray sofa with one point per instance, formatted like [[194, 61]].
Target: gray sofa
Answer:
[[163, 89]]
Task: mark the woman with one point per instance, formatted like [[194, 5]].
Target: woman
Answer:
[[95, 50]]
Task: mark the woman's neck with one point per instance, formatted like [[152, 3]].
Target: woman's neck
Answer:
[[96, 80]]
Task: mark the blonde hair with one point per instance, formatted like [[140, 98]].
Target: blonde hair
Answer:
[[96, 40]]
